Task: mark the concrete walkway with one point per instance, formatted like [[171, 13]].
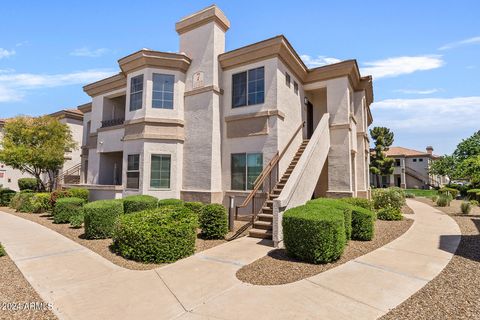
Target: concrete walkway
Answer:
[[83, 285]]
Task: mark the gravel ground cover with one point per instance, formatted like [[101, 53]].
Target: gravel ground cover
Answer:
[[277, 268], [455, 292], [17, 297], [407, 210], [102, 246]]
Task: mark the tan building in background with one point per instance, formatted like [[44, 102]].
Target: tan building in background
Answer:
[[253, 125]]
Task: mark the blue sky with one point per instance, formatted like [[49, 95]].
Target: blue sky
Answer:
[[424, 55]]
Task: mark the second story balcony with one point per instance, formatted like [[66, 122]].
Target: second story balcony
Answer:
[[112, 122]]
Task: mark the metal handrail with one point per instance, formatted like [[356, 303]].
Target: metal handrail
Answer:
[[266, 172], [112, 122]]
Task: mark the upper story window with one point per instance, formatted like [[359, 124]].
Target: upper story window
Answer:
[[287, 79], [414, 160], [295, 87], [248, 87], [162, 96], [420, 160], [136, 92], [397, 162]]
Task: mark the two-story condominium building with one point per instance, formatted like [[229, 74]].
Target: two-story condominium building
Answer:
[[253, 123]]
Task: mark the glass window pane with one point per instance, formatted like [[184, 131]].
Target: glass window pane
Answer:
[[238, 171], [239, 89], [133, 180], [163, 87], [133, 162], [160, 171], [254, 168]]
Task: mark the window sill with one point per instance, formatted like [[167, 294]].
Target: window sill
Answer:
[[159, 189]]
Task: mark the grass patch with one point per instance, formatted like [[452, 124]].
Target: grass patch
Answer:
[[422, 192]]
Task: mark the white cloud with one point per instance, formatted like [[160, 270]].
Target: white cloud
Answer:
[[414, 91], [441, 115], [4, 53], [396, 66], [87, 52], [14, 86], [474, 40], [313, 62]]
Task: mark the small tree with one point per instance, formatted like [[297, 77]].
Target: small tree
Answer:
[[380, 164], [36, 146], [445, 166]]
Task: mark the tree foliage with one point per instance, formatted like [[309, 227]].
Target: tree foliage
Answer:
[[467, 148], [380, 164], [445, 166], [36, 146]]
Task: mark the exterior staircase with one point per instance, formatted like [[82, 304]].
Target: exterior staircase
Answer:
[[263, 224]]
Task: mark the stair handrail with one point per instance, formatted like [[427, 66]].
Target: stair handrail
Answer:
[[266, 172], [71, 169], [421, 175]]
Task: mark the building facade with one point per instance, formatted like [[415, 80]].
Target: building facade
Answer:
[[411, 170]]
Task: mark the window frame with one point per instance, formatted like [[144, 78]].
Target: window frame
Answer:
[[287, 79], [295, 87], [163, 92], [169, 171], [246, 170], [136, 92], [247, 85], [137, 171]]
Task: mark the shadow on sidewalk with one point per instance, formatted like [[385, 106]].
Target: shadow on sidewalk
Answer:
[[469, 246]]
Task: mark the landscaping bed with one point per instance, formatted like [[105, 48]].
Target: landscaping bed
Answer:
[[455, 292], [102, 246], [277, 268], [15, 289]]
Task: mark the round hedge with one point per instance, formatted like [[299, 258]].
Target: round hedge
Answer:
[[100, 217], [337, 204], [66, 208], [314, 233], [82, 193], [194, 206], [359, 202], [138, 203], [170, 202], [213, 221], [389, 214], [165, 234], [363, 224]]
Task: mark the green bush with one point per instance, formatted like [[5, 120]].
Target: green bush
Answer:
[[66, 208], [389, 197], [474, 203], [41, 202], [170, 202], [389, 214], [363, 224], [213, 221], [27, 184], [409, 195], [194, 206], [443, 201], [81, 193], [76, 221], [466, 207], [100, 216], [6, 196], [434, 198], [473, 194], [58, 194], [359, 202], [165, 234], [22, 201], [139, 203], [314, 233], [2, 251], [447, 190], [340, 204]]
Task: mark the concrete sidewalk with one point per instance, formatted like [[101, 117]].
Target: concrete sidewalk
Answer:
[[83, 285]]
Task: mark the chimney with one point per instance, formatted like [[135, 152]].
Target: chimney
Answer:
[[429, 150]]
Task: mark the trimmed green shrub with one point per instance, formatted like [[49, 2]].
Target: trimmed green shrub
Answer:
[[447, 190], [76, 221], [363, 224], [443, 201], [81, 193], [474, 203], [41, 202], [6, 196], [67, 207], [170, 202], [139, 203], [100, 216], [359, 202], [314, 233], [24, 203], [344, 206], [194, 206], [58, 194], [409, 195], [389, 197], [27, 184], [2, 251], [389, 214], [466, 207], [213, 221], [165, 234]]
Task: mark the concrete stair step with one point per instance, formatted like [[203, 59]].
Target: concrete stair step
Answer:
[[263, 225], [265, 217], [260, 233]]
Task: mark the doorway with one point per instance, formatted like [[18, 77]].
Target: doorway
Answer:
[[309, 120]]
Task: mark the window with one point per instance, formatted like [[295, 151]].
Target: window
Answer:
[[246, 167], [414, 160], [136, 92], [162, 96], [397, 162], [420, 160], [133, 171], [287, 79], [248, 87], [295, 87], [160, 171]]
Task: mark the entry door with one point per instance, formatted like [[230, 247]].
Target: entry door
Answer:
[[309, 120]]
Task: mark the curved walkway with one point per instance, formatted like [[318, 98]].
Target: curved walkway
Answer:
[[83, 285]]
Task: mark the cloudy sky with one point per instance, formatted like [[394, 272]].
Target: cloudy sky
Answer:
[[423, 55]]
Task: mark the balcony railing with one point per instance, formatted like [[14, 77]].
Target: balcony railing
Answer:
[[112, 122]]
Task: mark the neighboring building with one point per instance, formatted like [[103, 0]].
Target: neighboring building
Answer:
[[71, 169], [411, 170], [202, 124]]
